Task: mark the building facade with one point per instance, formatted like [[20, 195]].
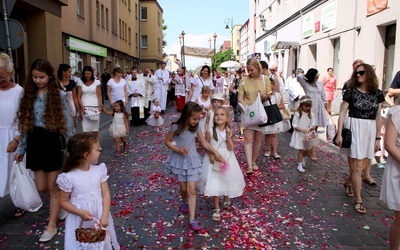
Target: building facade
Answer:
[[327, 33], [100, 33]]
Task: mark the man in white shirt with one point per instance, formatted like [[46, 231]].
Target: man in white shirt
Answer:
[[296, 91], [163, 79], [136, 93]]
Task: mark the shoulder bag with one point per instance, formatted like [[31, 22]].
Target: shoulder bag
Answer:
[[273, 113]]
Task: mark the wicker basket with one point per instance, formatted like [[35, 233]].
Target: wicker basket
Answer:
[[310, 140], [89, 235]]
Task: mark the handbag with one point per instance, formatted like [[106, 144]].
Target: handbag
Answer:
[[330, 130], [273, 113], [253, 114], [90, 235], [23, 191], [220, 166], [346, 137]]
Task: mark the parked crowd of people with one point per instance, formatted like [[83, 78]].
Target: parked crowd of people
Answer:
[[37, 118]]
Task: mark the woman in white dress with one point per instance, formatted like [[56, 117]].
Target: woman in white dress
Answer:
[[90, 101], [10, 94], [315, 89]]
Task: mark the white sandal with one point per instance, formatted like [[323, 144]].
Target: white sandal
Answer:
[[227, 203], [216, 215]]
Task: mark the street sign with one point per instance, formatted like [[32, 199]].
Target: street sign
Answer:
[[16, 34], [9, 6]]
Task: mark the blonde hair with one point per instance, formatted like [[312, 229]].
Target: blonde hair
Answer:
[[6, 62], [256, 64]]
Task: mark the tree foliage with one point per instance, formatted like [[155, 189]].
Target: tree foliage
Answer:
[[222, 56]]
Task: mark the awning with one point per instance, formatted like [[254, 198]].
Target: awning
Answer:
[[285, 45]]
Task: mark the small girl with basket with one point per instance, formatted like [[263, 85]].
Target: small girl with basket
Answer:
[[85, 195], [303, 123], [155, 118], [184, 162], [221, 179], [119, 127]]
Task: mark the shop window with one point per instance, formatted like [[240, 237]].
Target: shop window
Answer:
[[117, 63], [95, 63], [75, 61]]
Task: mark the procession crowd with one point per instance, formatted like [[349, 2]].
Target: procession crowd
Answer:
[[40, 118]]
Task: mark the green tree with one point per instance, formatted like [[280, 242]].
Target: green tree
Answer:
[[164, 43], [222, 56]]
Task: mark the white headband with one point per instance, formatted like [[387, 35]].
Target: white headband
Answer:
[[306, 100]]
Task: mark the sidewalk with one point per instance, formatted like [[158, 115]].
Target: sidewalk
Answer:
[[280, 208]]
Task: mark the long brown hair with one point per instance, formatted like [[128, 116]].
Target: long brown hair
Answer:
[[77, 146], [53, 116], [183, 121], [371, 78]]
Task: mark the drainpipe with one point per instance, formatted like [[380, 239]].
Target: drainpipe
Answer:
[[140, 34]]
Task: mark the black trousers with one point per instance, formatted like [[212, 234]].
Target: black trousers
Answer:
[[136, 120]]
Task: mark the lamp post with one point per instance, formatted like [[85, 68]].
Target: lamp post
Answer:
[[183, 45], [180, 46], [209, 42], [231, 28], [215, 40]]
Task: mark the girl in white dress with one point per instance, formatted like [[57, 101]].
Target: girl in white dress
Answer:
[[119, 127], [155, 118], [204, 102], [303, 121], [271, 131], [85, 194], [225, 179]]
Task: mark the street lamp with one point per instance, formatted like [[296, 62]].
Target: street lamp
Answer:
[[231, 28], [215, 40], [180, 46], [183, 45]]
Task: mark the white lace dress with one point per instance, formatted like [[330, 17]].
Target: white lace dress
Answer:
[[85, 189]]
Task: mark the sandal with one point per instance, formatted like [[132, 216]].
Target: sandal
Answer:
[[227, 203], [254, 166], [349, 190], [249, 171], [216, 215], [370, 182], [360, 209], [18, 212]]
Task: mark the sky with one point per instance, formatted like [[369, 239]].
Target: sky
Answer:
[[200, 20]]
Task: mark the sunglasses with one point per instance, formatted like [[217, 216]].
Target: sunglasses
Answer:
[[361, 72]]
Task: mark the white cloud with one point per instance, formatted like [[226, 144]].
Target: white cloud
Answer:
[[195, 40]]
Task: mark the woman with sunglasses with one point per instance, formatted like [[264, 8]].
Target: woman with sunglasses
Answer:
[[315, 89], [363, 100]]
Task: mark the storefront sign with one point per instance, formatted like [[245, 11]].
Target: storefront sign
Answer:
[[328, 17], [308, 25], [375, 6], [82, 46]]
